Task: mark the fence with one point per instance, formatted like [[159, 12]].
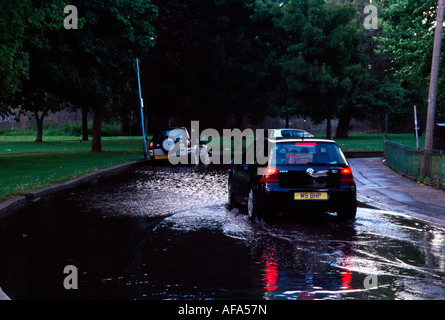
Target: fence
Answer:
[[409, 161]]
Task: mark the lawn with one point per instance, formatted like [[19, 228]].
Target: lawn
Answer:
[[374, 142], [26, 165], [26, 144], [360, 142]]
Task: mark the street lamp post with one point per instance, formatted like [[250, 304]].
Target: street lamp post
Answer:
[[142, 112]]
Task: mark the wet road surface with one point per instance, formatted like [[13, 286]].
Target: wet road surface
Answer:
[[161, 232]]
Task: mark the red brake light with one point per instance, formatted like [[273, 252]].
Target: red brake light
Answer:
[[151, 145], [270, 175], [346, 175], [307, 144], [188, 143]]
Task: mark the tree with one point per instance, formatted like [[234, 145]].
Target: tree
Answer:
[[22, 29], [96, 65], [13, 58], [408, 36], [30, 87], [315, 47], [40, 103], [207, 54]]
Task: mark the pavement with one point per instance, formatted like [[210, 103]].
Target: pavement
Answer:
[[378, 186]]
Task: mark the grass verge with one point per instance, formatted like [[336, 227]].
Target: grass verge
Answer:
[[26, 166]]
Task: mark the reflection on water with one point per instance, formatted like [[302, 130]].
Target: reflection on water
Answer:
[[165, 233], [270, 270]]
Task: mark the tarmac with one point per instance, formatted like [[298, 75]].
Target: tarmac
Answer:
[[378, 186]]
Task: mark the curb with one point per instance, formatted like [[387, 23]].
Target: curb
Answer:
[[12, 204], [17, 202]]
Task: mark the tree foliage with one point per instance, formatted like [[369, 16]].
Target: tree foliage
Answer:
[[314, 52], [205, 63], [208, 59], [408, 38], [23, 26]]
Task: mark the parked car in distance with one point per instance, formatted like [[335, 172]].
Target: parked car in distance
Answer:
[[302, 175], [165, 139], [288, 133]]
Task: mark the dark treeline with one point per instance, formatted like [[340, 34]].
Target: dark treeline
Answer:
[[217, 61]]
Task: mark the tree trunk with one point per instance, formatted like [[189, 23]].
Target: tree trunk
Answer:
[[39, 121], [84, 124], [96, 145], [343, 126], [432, 93], [329, 128]]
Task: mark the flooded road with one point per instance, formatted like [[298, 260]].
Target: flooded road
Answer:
[[165, 233]]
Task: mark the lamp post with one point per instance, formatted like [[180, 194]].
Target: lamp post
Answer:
[[142, 112]]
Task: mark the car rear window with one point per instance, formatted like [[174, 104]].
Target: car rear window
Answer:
[[178, 133], [291, 153], [288, 134]]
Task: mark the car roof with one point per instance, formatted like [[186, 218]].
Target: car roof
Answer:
[[286, 129], [170, 128], [289, 129]]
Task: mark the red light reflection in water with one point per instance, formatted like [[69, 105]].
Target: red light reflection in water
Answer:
[[270, 269], [271, 274], [346, 279]]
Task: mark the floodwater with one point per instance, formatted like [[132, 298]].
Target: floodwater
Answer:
[[162, 232]]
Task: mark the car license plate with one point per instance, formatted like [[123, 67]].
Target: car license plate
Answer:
[[163, 156], [311, 196]]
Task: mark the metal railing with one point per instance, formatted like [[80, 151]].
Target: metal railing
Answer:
[[409, 161]]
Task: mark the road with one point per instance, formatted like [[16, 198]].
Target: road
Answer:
[[164, 232]]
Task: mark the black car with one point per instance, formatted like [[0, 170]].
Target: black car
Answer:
[[301, 175]]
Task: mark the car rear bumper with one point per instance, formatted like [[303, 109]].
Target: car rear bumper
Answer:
[[159, 154], [281, 199]]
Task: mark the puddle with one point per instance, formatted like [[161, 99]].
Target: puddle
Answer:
[[165, 233]]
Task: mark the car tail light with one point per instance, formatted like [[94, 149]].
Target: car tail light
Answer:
[[188, 143], [346, 175], [151, 145], [270, 175], [307, 144]]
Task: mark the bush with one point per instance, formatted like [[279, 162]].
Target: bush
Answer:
[[75, 129]]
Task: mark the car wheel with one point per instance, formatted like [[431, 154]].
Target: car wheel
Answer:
[[348, 213], [231, 200], [253, 210]]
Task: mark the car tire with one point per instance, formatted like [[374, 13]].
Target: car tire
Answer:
[[253, 210], [348, 213], [231, 200]]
